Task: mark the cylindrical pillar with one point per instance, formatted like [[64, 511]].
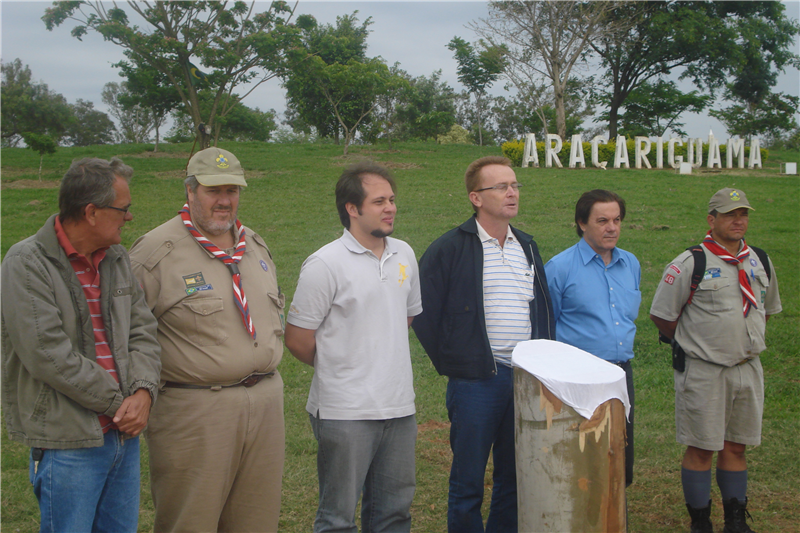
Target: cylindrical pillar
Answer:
[[570, 470]]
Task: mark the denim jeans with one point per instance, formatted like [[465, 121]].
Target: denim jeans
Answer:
[[482, 420], [89, 489], [375, 457]]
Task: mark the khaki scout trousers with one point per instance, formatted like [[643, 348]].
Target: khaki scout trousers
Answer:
[[216, 458]]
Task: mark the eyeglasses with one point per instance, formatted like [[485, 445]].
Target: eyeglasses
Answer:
[[125, 209], [502, 187]]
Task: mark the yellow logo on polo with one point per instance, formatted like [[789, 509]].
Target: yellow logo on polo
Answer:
[[735, 196], [403, 275], [221, 161]]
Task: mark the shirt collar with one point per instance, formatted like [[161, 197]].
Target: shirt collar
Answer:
[[484, 237], [356, 247], [70, 250], [587, 253]]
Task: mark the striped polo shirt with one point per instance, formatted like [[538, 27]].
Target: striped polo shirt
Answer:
[[507, 293], [89, 277]]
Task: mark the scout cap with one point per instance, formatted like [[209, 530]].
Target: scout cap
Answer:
[[727, 200], [215, 166]]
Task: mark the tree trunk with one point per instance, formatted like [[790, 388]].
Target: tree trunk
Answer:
[[41, 158], [480, 133], [561, 115], [155, 149]]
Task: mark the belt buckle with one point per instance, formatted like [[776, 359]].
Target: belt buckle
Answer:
[[251, 380]]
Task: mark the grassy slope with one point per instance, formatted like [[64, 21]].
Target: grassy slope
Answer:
[[289, 201]]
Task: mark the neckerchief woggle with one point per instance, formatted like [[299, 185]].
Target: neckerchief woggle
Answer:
[[231, 262]]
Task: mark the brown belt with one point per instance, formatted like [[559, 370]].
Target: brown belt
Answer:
[[249, 381]]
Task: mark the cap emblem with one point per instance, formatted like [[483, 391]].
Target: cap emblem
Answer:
[[222, 162], [735, 196]]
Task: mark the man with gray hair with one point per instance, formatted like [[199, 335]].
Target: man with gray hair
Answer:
[[216, 438], [80, 357]]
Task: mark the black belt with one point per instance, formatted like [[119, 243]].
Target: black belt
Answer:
[[249, 381]]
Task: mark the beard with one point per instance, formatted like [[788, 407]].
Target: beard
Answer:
[[208, 224], [379, 233]]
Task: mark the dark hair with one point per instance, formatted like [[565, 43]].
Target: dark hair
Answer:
[[350, 187], [587, 201], [191, 184], [90, 181]]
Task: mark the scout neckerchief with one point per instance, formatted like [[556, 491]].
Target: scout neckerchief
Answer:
[[748, 298], [230, 262]]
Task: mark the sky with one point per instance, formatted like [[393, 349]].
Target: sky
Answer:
[[415, 34]]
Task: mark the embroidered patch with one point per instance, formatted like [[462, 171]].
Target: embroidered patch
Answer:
[[193, 290], [194, 280], [735, 196], [670, 279], [676, 268], [403, 275], [222, 162], [711, 273], [763, 296], [753, 262], [264, 266]]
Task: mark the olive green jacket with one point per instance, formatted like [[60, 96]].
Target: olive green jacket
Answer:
[[52, 388]]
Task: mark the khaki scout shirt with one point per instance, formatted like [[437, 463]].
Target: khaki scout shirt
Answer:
[[713, 327], [200, 329]]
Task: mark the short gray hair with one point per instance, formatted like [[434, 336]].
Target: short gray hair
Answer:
[[90, 181]]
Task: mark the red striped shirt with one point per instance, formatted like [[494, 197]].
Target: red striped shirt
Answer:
[[88, 273]]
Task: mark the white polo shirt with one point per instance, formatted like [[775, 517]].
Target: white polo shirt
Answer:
[[359, 307]]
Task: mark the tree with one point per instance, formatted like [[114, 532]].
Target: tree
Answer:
[[232, 42], [477, 70], [429, 108], [322, 46], [546, 38], [44, 144], [135, 121], [654, 108], [772, 116], [89, 126], [29, 107], [150, 89], [711, 41], [352, 90], [241, 124]]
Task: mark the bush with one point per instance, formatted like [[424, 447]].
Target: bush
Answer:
[[456, 135]]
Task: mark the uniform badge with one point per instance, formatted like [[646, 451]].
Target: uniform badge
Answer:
[[676, 268], [264, 266], [222, 161], [753, 262], [196, 282], [763, 296], [711, 273], [670, 279]]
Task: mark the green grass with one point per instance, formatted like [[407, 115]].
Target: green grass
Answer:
[[289, 201]]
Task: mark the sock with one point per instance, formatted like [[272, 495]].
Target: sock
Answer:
[[732, 484], [696, 487]]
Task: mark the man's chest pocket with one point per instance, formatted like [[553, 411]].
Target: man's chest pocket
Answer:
[[718, 294]]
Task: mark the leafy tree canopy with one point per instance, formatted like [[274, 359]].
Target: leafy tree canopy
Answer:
[[230, 41], [29, 107], [89, 126]]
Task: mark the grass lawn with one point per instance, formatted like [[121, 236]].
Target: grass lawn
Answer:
[[290, 202]]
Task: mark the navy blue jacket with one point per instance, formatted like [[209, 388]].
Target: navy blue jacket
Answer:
[[452, 326]]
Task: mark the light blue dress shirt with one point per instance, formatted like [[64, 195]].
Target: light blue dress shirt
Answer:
[[595, 304]]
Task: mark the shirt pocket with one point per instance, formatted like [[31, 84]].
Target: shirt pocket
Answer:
[[715, 294], [279, 301], [205, 321]]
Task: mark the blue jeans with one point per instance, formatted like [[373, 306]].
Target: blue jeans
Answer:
[[89, 489], [375, 457], [482, 420]]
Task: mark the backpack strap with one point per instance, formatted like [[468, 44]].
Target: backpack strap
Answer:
[[699, 269], [764, 258]]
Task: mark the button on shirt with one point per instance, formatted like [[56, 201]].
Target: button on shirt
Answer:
[[507, 292], [595, 304]]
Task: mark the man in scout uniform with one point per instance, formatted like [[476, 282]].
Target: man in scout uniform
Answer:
[[717, 332], [217, 440]]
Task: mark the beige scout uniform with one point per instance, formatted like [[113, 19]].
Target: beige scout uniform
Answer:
[[722, 348], [216, 456]]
